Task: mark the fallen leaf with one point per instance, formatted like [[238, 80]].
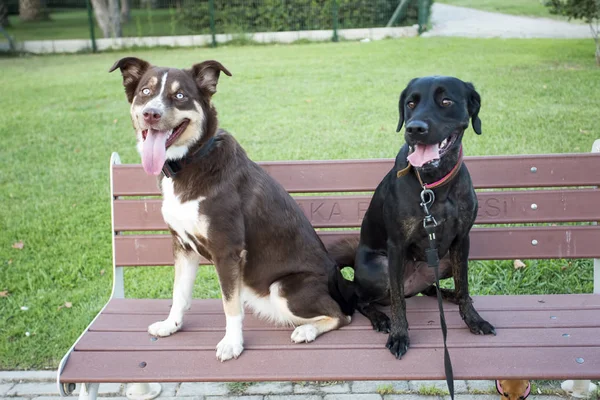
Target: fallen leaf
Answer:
[[67, 304], [4, 293], [19, 245], [519, 264], [9, 261], [545, 86], [382, 128], [77, 150], [115, 121], [102, 272], [585, 132]]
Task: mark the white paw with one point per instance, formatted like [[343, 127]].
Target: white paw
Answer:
[[229, 348], [164, 328], [304, 333]]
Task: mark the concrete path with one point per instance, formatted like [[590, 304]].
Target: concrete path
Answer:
[[460, 21], [40, 385]]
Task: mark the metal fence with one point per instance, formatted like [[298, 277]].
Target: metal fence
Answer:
[[74, 19]]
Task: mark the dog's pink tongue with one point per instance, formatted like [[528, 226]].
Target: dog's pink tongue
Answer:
[[424, 153], [154, 152]]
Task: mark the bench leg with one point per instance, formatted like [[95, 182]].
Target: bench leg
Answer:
[[88, 391], [580, 389], [143, 391]]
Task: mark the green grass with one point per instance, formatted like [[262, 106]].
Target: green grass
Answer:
[[530, 8], [63, 115], [73, 24]]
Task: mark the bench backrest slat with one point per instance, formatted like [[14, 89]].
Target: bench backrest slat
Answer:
[[348, 211], [364, 175], [502, 200], [486, 243]]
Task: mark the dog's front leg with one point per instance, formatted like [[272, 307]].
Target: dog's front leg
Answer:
[[186, 266], [398, 341], [229, 269], [459, 256]]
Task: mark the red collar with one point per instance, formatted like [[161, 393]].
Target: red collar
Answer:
[[440, 182]]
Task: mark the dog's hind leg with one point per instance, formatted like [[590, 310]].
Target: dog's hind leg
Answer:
[[229, 269], [309, 306], [379, 320], [459, 254], [447, 294], [186, 266]]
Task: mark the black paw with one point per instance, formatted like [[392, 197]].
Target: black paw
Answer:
[[398, 344], [381, 323], [482, 327]]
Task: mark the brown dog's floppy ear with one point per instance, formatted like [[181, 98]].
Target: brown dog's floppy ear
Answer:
[[132, 70], [207, 74], [473, 106]]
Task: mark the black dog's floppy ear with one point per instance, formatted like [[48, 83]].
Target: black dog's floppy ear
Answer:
[[401, 109], [206, 75], [401, 104], [473, 106], [132, 70]]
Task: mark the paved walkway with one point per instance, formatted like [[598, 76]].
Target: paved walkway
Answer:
[[460, 21], [40, 385]]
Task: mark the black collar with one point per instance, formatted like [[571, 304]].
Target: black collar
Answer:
[[172, 167]]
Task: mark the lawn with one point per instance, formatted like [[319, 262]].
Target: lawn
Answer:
[[64, 114], [531, 8]]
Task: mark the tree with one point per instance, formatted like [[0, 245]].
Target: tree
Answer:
[[108, 16], [4, 22], [32, 10], [125, 11], [587, 10]]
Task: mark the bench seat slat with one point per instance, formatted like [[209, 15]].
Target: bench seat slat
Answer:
[[346, 338], [482, 303], [348, 211], [486, 244], [364, 175], [306, 364], [416, 320]]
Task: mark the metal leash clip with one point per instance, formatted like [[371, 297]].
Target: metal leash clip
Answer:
[[427, 199]]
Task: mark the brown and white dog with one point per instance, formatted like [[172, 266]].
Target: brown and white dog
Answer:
[[221, 205]]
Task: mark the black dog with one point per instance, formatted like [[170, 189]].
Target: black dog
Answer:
[[390, 259]]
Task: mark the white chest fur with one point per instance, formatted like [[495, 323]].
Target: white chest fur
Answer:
[[184, 218]]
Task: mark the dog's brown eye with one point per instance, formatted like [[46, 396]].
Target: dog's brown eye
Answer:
[[411, 105], [447, 102], [146, 91]]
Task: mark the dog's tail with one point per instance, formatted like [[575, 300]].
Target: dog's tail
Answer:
[[343, 252], [341, 289]]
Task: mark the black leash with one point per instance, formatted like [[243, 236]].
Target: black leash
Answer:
[[433, 261]]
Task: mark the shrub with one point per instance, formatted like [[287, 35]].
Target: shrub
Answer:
[[236, 16]]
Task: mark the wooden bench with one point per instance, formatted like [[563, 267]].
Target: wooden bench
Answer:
[[539, 336]]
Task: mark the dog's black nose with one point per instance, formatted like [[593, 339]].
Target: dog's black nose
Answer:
[[417, 128], [152, 115]]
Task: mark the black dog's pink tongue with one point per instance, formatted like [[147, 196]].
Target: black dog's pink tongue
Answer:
[[423, 154], [154, 152]]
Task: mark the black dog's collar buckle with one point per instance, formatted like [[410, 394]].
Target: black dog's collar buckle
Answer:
[[171, 168]]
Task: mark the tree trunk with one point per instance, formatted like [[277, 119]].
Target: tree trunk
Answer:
[[108, 17], [32, 10], [4, 21], [125, 11]]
